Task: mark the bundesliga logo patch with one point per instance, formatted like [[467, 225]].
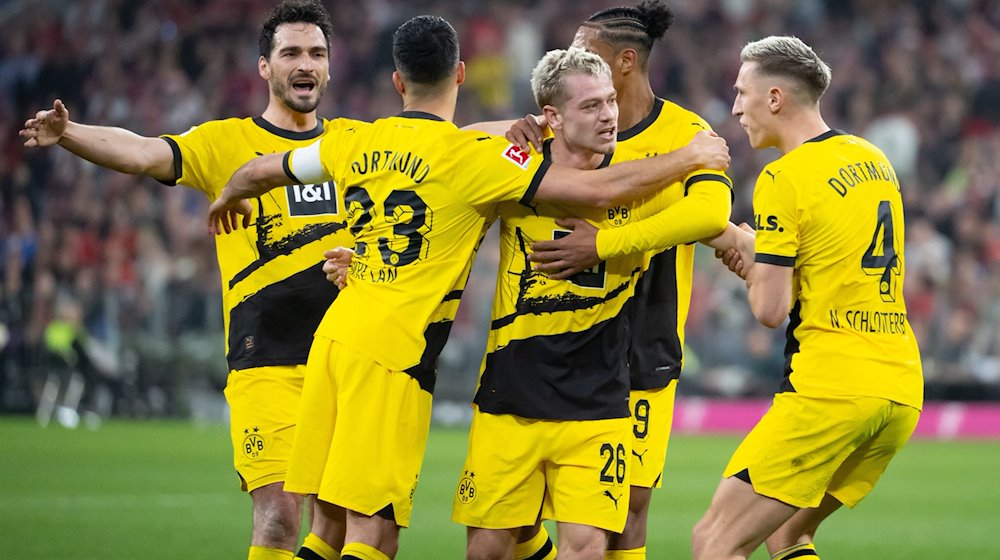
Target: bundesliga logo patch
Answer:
[[517, 156]]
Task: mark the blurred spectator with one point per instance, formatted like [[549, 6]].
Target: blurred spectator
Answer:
[[922, 81]]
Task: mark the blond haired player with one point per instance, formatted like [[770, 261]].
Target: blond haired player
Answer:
[[829, 257]]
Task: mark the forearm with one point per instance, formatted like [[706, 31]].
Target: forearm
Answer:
[[704, 213], [120, 149], [731, 238], [256, 177], [631, 180]]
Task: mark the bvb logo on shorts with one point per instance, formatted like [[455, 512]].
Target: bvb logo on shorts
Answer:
[[253, 443], [619, 215], [467, 488]]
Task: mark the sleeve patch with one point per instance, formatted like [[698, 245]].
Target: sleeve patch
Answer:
[[517, 156]]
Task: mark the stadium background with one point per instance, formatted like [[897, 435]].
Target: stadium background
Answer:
[[125, 267], [131, 262]]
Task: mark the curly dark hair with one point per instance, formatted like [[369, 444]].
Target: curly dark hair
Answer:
[[294, 11]]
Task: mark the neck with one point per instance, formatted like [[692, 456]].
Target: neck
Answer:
[[799, 129], [441, 103], [571, 156], [282, 116], [635, 101]]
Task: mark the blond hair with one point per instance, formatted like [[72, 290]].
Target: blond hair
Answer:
[[548, 79], [789, 57]]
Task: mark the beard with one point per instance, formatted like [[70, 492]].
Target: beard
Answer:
[[288, 96]]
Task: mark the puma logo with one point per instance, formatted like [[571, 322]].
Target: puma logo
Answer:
[[639, 455], [772, 175], [612, 497]]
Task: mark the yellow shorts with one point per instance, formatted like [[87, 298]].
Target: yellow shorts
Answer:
[[570, 471], [652, 417], [263, 409], [805, 447], [362, 433]]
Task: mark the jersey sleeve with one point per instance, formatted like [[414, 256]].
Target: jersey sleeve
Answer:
[[702, 213], [502, 172], [195, 152], [775, 206]]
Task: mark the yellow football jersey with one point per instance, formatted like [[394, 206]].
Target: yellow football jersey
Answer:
[[274, 291], [556, 348], [832, 209], [418, 192], [663, 294]]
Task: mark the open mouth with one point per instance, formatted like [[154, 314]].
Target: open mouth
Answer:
[[303, 86]]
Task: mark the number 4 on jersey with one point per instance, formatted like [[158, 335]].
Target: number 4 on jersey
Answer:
[[880, 259]]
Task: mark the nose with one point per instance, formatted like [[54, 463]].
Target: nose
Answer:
[[609, 112], [737, 107]]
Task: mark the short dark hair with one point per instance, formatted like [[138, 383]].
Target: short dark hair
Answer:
[[425, 49], [294, 11], [636, 27]]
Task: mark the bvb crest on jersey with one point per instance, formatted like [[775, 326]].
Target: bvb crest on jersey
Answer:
[[619, 215]]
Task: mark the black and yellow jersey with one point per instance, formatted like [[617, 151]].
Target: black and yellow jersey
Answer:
[[663, 294], [831, 208], [274, 291], [418, 192], [556, 348]]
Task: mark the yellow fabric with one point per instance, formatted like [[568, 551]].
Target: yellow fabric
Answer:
[[349, 448], [807, 551], [362, 552], [630, 554], [263, 409], [320, 547], [419, 191], [805, 447], [575, 471], [701, 214], [290, 228], [264, 553], [682, 212], [652, 418], [832, 208]]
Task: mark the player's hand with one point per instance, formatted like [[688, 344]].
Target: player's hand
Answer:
[[740, 258], [564, 257], [710, 150], [527, 132], [338, 261], [47, 127], [224, 214]]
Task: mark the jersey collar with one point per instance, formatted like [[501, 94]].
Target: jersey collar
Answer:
[[419, 115], [289, 134], [827, 135], [644, 123]]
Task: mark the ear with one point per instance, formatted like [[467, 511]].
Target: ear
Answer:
[[263, 68], [552, 117], [627, 60], [397, 82], [775, 99], [460, 73]]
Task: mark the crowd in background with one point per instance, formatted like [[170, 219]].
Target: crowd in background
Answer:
[[114, 277]]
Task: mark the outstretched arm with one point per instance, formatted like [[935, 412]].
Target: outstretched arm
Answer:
[[624, 182], [111, 147]]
